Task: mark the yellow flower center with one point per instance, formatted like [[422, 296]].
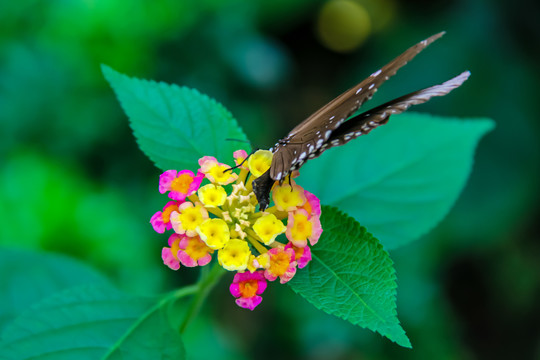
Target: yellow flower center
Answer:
[[248, 288], [191, 217], [302, 228], [298, 252], [182, 183], [197, 249], [288, 197], [307, 207], [279, 263], [175, 248], [214, 232], [212, 195], [221, 176], [268, 227], [234, 255], [259, 162], [166, 215]]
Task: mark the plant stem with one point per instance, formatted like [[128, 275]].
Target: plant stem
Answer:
[[254, 240], [207, 281], [184, 291]]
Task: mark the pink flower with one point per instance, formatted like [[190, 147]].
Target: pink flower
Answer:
[[302, 255], [301, 228], [239, 156], [215, 171], [247, 287], [207, 162], [193, 251], [188, 217], [180, 184], [222, 216], [161, 220], [312, 205], [169, 254], [281, 263]]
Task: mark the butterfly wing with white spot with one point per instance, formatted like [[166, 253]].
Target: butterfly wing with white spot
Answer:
[[311, 134], [362, 124], [343, 106]]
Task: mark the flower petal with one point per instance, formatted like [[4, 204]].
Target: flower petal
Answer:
[[165, 180], [249, 303], [157, 222]]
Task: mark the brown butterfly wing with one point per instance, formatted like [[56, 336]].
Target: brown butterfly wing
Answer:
[[362, 124], [309, 136]]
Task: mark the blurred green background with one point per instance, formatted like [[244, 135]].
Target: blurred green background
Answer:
[[74, 182]]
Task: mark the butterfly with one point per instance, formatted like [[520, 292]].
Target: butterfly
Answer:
[[328, 127]]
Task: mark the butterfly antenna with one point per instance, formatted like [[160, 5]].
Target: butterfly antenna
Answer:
[[239, 140], [243, 161]]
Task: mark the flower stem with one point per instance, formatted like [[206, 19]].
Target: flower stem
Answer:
[[215, 211], [249, 184], [194, 198], [243, 175], [278, 213], [184, 291], [254, 240], [207, 281]]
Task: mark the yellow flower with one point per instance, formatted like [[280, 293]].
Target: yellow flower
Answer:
[[215, 171], [253, 265], [214, 232], [235, 255], [212, 195], [219, 174], [188, 217], [259, 162], [288, 197], [301, 228], [267, 227], [262, 261]]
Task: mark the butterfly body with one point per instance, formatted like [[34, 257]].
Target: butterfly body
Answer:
[[328, 127]]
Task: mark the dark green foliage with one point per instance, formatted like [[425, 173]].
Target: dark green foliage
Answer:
[[352, 276], [72, 180], [401, 179], [34, 276], [92, 322], [401, 185]]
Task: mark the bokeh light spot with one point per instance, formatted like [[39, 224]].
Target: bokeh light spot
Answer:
[[343, 25]]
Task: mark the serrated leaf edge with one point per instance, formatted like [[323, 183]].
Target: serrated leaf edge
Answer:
[[227, 115]]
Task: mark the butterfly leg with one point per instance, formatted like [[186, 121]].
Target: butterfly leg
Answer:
[[287, 178], [290, 183]]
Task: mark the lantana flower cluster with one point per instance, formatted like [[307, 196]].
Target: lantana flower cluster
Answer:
[[215, 210]]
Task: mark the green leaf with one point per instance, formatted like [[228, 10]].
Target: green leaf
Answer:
[[92, 323], [175, 126], [351, 276], [30, 276], [401, 179]]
